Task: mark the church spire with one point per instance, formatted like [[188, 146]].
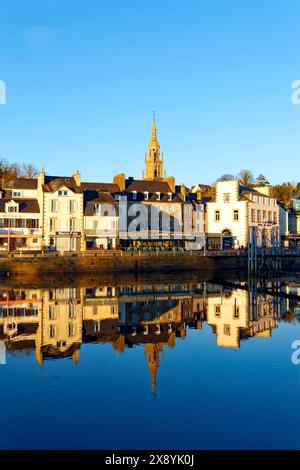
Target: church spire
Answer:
[[154, 138], [153, 158]]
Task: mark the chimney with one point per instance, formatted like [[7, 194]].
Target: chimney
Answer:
[[119, 179], [77, 178], [183, 190], [41, 178]]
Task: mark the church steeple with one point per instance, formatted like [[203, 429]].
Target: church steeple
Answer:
[[153, 158]]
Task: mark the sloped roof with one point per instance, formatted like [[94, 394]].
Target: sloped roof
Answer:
[[53, 183], [30, 206], [21, 183], [108, 187], [150, 186], [100, 198]]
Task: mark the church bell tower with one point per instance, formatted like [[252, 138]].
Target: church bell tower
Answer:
[[153, 158]]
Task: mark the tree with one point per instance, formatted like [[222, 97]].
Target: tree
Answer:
[[226, 177], [245, 177], [262, 180], [283, 192], [29, 170], [8, 171]]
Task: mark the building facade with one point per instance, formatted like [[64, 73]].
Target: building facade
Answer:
[[235, 210], [20, 216]]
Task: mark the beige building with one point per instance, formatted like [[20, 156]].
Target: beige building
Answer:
[[236, 209], [61, 200]]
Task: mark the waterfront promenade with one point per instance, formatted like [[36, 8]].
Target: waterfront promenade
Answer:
[[140, 261]]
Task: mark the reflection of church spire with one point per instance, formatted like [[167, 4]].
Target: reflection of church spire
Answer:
[[75, 356], [153, 351]]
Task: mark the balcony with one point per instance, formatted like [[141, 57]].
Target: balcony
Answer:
[[22, 232]]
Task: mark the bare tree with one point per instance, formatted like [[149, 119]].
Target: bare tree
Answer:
[[245, 177], [29, 170]]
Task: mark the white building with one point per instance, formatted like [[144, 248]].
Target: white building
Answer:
[[101, 221], [237, 208], [20, 216]]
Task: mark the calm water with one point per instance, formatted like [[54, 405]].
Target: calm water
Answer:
[[149, 365]]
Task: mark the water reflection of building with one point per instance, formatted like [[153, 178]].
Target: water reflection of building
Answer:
[[237, 314], [55, 322]]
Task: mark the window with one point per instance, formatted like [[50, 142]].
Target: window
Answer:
[[52, 331], [218, 310], [97, 209], [54, 205], [217, 216], [253, 215], [62, 193], [51, 312], [259, 216], [71, 329], [52, 225], [146, 195], [264, 216], [170, 196], [17, 194], [34, 240], [158, 196], [275, 217], [72, 206], [236, 215], [227, 330], [72, 225], [71, 311], [226, 197], [134, 195], [236, 312], [269, 216], [13, 209]]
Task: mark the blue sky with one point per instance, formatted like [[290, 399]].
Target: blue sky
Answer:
[[83, 78]]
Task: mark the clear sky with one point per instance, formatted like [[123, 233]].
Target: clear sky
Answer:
[[83, 77]]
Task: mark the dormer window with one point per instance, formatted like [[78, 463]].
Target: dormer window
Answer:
[[62, 193], [97, 209], [226, 197], [134, 195], [12, 207], [170, 196], [158, 196], [146, 195]]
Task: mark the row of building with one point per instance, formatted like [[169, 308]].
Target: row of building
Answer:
[[64, 213], [55, 322]]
